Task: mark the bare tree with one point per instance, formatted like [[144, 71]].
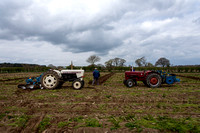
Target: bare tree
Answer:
[[93, 58], [149, 64], [100, 65], [144, 61], [116, 61], [162, 62], [141, 61], [109, 63], [52, 66], [122, 61], [138, 62]]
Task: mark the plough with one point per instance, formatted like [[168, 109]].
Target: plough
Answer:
[[32, 83]]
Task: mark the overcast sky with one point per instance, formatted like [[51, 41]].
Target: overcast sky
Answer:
[[60, 31]]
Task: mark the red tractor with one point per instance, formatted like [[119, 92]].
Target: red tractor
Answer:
[[151, 79]]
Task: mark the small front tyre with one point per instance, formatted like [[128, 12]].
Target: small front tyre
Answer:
[[130, 83], [77, 84]]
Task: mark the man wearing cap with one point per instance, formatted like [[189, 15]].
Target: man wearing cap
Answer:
[[96, 75]]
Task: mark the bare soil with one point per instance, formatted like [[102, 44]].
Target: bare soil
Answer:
[[191, 77], [68, 110], [103, 78]]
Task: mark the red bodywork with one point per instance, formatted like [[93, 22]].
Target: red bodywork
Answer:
[[137, 75]]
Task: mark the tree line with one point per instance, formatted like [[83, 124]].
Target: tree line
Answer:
[[17, 67], [119, 62], [115, 64], [20, 65]]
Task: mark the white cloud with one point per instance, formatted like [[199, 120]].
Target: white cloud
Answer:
[[54, 29], [155, 25], [43, 53]]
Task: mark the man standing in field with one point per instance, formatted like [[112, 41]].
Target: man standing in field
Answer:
[[96, 75]]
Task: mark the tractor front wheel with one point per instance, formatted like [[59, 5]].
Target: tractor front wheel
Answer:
[[50, 80], [130, 83], [77, 84], [153, 80]]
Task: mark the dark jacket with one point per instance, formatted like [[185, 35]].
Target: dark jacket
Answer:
[[96, 74]]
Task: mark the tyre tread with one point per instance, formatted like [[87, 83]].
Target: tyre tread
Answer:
[[56, 75]]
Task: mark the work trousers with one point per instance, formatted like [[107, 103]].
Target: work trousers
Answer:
[[95, 80]]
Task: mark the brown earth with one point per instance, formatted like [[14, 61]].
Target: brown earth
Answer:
[[191, 77], [75, 108], [103, 78]]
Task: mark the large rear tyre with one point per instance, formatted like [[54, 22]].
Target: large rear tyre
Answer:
[[153, 80], [77, 84], [50, 80]]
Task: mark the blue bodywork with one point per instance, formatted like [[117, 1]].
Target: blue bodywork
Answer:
[[167, 77], [34, 81]]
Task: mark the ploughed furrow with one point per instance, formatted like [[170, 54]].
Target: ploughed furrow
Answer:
[[103, 79], [191, 77], [3, 80], [119, 112]]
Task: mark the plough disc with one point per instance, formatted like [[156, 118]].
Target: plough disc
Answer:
[[22, 86], [29, 86]]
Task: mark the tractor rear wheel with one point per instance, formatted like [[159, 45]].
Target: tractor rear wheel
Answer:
[[50, 80], [153, 80]]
